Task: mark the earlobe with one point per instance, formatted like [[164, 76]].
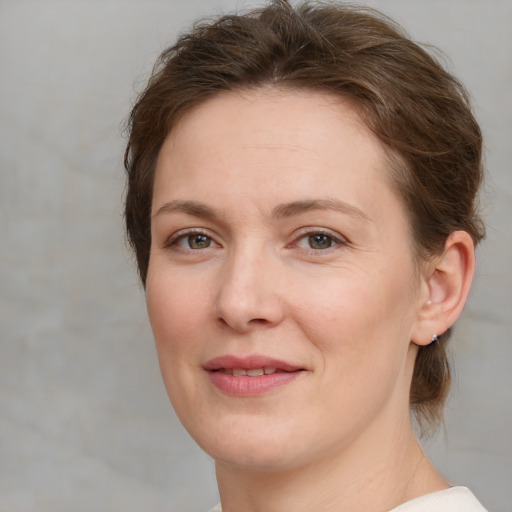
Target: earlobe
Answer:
[[448, 281]]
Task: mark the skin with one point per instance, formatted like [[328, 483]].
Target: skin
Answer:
[[242, 263]]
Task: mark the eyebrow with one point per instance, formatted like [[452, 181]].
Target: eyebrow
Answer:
[[189, 207], [298, 207], [285, 210]]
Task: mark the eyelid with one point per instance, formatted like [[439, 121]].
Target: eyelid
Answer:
[[183, 233], [299, 235], [308, 231]]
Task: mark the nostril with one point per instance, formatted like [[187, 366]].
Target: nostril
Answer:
[[256, 307], [252, 321], [222, 321]]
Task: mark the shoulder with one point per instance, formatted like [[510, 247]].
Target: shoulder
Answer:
[[455, 499]]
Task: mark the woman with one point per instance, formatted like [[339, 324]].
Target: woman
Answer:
[[301, 202]]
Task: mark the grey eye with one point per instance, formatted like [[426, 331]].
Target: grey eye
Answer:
[[194, 241], [199, 241], [320, 241]]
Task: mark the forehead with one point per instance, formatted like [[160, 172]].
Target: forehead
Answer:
[[249, 130], [307, 114]]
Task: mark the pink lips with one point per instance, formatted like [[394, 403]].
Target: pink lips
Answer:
[[275, 373]]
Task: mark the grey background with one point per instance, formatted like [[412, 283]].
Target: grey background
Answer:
[[84, 421]]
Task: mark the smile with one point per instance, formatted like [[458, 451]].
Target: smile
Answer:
[[250, 376], [253, 372]]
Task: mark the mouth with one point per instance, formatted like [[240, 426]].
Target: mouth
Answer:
[[252, 366], [249, 372], [250, 376]]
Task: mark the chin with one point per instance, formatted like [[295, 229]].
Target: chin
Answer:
[[261, 446], [255, 458]]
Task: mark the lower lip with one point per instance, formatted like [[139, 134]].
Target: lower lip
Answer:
[[251, 386]]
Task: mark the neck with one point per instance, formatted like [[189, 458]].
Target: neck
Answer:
[[375, 473]]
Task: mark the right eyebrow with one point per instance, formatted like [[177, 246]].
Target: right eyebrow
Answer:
[[188, 207]]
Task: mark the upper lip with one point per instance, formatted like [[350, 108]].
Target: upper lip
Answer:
[[249, 363]]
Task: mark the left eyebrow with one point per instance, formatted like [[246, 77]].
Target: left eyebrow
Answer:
[[298, 207]]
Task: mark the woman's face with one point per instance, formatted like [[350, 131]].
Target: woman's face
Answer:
[[282, 289]]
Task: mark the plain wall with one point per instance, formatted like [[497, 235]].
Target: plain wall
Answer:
[[85, 424]]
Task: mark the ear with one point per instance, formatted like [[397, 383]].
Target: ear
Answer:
[[445, 288]]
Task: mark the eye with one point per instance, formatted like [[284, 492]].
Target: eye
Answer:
[[197, 241], [318, 241], [191, 241]]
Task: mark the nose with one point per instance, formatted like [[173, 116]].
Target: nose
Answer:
[[248, 297]]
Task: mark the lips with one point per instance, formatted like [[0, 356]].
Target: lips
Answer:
[[250, 376], [230, 363]]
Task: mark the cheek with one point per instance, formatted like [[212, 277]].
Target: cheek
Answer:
[[174, 309], [359, 322]]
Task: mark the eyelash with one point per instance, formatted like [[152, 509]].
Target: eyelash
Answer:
[[335, 240], [184, 235]]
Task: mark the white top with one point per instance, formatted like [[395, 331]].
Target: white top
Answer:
[[454, 499]]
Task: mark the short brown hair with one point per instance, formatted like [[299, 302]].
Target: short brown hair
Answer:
[[414, 106]]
